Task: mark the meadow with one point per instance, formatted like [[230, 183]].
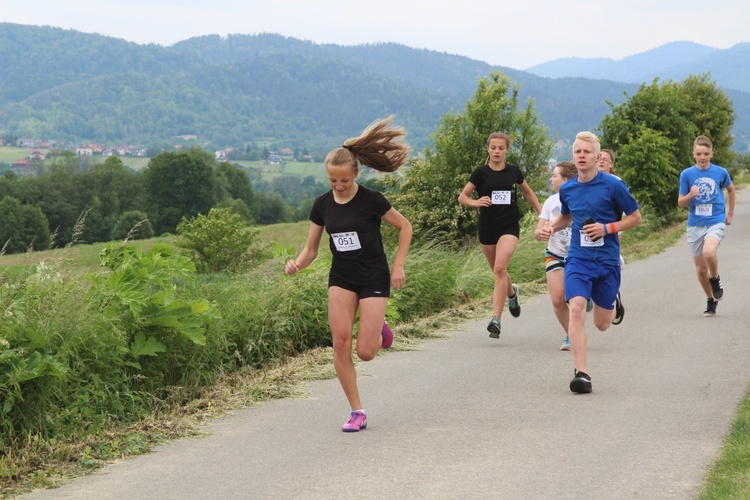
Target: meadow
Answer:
[[269, 171], [9, 154]]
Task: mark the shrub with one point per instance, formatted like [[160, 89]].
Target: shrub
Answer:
[[147, 296], [133, 225], [219, 241], [24, 226]]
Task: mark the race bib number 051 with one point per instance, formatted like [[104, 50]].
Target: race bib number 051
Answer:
[[346, 242]]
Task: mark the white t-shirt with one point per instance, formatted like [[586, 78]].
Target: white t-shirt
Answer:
[[559, 242]]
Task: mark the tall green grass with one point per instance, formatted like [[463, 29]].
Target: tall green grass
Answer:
[[730, 475], [87, 348]]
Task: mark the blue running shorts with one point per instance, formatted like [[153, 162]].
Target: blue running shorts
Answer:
[[592, 280]]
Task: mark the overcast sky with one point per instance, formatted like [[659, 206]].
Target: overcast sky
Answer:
[[517, 34]]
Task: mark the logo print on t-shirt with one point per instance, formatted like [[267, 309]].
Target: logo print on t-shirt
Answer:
[[706, 189]]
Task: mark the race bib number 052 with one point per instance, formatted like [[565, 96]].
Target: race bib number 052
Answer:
[[501, 197]]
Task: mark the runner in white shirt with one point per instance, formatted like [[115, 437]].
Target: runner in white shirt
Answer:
[[557, 246]]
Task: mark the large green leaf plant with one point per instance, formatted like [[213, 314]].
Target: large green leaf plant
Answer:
[[147, 295]]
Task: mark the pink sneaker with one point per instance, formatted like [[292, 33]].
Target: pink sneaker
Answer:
[[387, 334], [356, 422]]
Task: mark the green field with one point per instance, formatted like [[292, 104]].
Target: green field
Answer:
[[300, 169], [293, 168], [268, 172], [10, 154], [134, 163], [86, 256]]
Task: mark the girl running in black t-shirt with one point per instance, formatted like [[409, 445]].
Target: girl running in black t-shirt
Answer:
[[359, 278], [496, 184]]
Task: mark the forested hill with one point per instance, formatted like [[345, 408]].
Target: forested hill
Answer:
[[230, 91]]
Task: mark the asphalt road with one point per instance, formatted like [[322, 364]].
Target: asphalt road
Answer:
[[472, 417]]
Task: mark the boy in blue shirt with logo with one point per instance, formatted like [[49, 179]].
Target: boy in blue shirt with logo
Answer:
[[702, 190]]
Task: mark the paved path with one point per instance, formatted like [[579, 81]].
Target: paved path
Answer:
[[472, 417]]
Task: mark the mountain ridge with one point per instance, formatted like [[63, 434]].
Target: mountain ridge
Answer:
[[236, 89], [671, 61]]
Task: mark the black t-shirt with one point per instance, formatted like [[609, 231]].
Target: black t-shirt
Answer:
[[355, 241], [502, 187]]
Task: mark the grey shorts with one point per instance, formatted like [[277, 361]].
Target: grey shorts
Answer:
[[696, 235]]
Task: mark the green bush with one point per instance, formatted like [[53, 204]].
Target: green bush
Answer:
[[266, 315], [24, 226], [432, 276], [219, 241], [133, 225]]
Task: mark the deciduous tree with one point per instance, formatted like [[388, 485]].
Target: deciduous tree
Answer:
[[653, 133], [178, 185], [23, 227], [428, 196]]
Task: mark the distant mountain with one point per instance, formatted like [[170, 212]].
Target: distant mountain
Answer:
[[730, 68], [249, 89], [566, 107]]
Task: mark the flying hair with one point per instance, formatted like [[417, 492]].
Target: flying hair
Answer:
[[380, 147]]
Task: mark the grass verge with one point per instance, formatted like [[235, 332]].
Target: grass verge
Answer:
[[730, 475]]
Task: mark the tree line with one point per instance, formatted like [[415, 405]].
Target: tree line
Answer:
[[66, 204]]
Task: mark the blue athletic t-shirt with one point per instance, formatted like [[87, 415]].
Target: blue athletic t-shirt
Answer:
[[604, 198], [708, 208]]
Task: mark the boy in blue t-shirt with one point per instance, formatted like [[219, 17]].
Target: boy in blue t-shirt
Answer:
[[702, 190], [592, 203]]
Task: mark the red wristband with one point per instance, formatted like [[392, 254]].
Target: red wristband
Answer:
[[612, 228]]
